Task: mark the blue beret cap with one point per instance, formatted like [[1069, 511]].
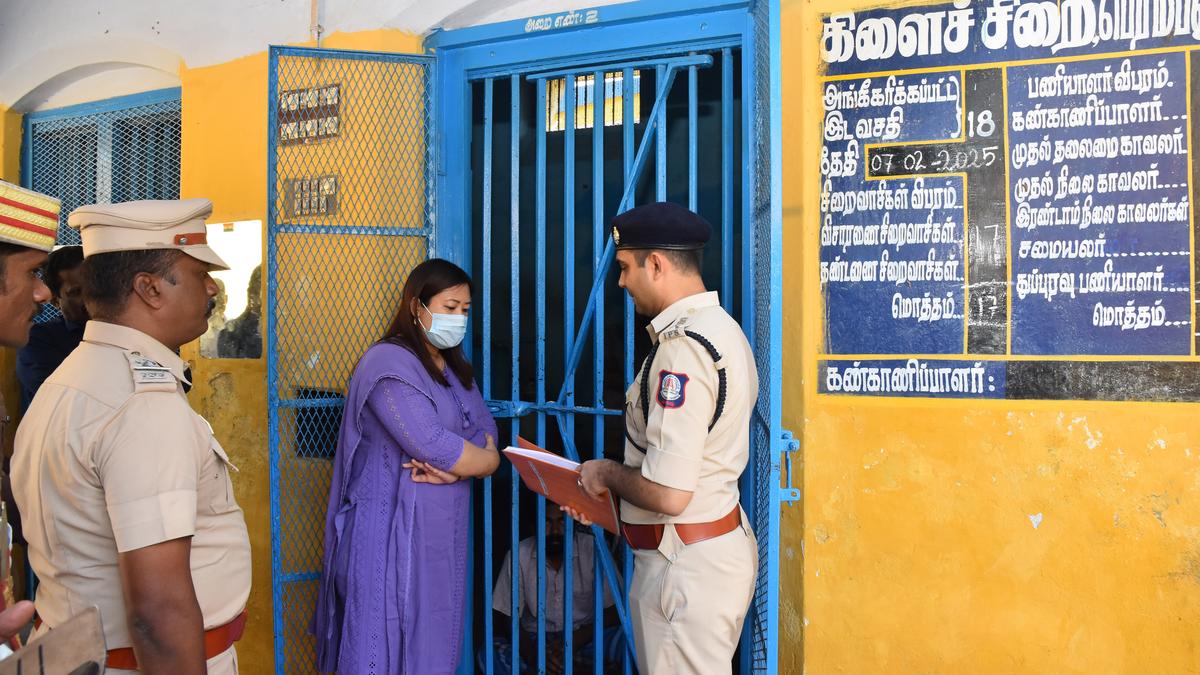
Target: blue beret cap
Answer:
[[664, 225]]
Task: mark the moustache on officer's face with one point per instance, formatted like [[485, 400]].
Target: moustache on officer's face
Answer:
[[212, 305]]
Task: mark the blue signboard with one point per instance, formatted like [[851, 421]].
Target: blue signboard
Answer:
[[970, 33], [892, 256], [1010, 181], [1099, 198]]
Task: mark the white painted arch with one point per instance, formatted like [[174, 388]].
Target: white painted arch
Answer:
[[61, 52], [88, 71]]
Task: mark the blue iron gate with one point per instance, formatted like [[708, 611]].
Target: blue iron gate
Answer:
[[592, 96], [668, 105], [350, 213], [538, 179]]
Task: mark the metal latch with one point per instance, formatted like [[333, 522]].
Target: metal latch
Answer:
[[789, 493]]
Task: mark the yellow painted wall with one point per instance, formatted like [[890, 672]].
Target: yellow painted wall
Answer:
[[915, 550], [224, 159]]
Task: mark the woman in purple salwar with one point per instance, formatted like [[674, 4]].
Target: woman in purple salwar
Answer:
[[414, 429]]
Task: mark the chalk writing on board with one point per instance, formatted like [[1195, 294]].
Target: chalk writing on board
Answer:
[[1004, 184], [978, 156], [892, 254], [980, 32], [1101, 260]]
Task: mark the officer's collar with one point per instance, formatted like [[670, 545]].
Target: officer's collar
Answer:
[[680, 307], [134, 340]]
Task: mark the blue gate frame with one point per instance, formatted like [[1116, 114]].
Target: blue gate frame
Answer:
[[628, 33]]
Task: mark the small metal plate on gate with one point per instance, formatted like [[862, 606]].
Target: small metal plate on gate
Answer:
[[75, 648]]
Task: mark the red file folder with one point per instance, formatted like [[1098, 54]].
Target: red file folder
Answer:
[[557, 479]]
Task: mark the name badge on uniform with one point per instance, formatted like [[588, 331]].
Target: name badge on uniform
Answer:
[[671, 389], [148, 371]]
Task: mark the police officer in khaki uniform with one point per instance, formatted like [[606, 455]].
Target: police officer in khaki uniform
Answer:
[[125, 492], [687, 422], [28, 225]]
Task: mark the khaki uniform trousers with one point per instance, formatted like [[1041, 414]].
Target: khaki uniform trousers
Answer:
[[224, 663], [688, 612]]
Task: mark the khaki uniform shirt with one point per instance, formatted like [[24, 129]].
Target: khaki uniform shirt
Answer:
[[110, 458], [680, 450]]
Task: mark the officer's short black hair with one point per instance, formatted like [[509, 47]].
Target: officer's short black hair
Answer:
[[61, 260], [685, 260], [108, 277]]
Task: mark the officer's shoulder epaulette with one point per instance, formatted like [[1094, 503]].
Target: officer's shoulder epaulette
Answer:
[[149, 375], [676, 330]]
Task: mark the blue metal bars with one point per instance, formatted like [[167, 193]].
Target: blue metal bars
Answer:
[[564, 102], [486, 321], [598, 121], [727, 159], [731, 181], [514, 548]]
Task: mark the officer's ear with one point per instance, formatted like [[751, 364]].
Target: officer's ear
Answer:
[[148, 288], [654, 264]]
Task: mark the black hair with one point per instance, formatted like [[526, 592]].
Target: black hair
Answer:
[[108, 277], [62, 260], [425, 281], [686, 260]]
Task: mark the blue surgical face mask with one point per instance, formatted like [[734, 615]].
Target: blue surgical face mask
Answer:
[[445, 330]]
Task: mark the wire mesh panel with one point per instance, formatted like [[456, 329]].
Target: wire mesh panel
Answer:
[[350, 215], [124, 149], [764, 425]]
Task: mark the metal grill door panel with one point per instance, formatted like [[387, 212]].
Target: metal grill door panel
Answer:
[[112, 151], [598, 147], [349, 166]]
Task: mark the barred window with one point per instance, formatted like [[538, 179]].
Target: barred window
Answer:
[[114, 151]]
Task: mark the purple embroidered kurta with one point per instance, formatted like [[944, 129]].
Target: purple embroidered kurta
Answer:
[[391, 596]]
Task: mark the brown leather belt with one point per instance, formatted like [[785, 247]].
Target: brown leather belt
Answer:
[[648, 537], [216, 641]]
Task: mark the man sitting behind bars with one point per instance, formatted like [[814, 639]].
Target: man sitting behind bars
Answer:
[[582, 607]]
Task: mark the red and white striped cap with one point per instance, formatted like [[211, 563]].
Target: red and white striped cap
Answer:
[[28, 218]]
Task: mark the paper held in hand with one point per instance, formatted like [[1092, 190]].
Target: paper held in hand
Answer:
[[557, 479], [74, 648]]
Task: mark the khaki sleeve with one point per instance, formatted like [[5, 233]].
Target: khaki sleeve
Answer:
[[148, 462], [682, 391]]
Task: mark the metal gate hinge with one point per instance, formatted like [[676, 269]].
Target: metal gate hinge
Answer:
[[789, 493]]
